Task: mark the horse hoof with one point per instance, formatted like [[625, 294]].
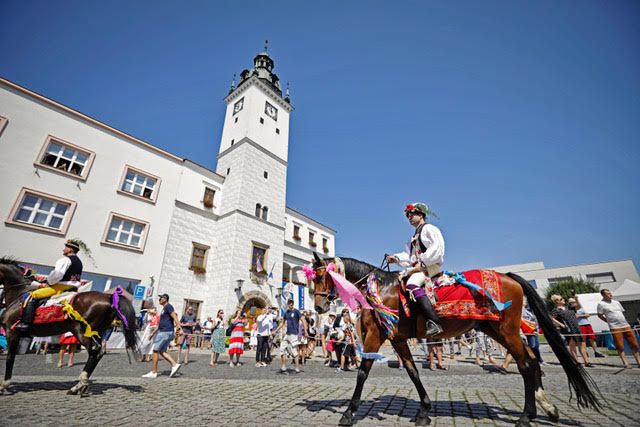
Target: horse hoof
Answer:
[[72, 392], [423, 420], [523, 422], [346, 420]]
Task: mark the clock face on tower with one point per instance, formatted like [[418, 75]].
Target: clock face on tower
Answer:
[[271, 111], [237, 107]]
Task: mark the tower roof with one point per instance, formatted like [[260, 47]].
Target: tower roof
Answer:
[[262, 68]]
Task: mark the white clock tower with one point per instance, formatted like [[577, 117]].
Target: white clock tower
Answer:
[[253, 159]]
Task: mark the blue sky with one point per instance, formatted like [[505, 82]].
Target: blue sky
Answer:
[[517, 122]]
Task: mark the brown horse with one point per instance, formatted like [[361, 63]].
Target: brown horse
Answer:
[[506, 332], [95, 307]]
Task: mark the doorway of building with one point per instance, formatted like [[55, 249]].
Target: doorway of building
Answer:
[[253, 308], [192, 303]]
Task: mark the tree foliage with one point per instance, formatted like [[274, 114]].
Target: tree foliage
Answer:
[[566, 289]]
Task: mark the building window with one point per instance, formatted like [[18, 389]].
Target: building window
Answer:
[[228, 171], [598, 278], [65, 158], [296, 232], [261, 121], [233, 141], [199, 258], [140, 184], [209, 195], [312, 242], [42, 211], [126, 232], [265, 213], [555, 280], [278, 131], [3, 123], [266, 175], [258, 260], [258, 210], [236, 120], [325, 245]]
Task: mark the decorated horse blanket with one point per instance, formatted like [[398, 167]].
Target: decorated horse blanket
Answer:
[[52, 310], [50, 314], [457, 301]]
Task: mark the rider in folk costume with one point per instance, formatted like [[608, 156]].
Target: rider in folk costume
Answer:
[[64, 277], [424, 258]]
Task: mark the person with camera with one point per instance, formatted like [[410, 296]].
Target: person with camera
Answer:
[[567, 322], [265, 325], [584, 324], [345, 345]]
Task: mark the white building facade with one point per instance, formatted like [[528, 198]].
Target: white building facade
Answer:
[[220, 239]]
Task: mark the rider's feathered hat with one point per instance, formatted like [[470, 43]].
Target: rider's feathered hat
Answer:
[[419, 208], [73, 245]]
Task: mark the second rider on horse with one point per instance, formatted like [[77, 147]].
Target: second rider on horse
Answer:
[[423, 258], [64, 277]]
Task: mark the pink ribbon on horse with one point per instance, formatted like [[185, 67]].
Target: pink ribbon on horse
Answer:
[[348, 292]]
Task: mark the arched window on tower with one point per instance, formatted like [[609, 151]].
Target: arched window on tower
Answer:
[[258, 209], [265, 213]]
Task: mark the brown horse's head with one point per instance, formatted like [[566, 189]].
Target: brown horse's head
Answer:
[[324, 289]]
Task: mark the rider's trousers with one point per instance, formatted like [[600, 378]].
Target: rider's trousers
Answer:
[[51, 290]]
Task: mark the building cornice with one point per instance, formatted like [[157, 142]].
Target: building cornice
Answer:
[[249, 141], [239, 212], [300, 248], [295, 213], [195, 210], [255, 81]]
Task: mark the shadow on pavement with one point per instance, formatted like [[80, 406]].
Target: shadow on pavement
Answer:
[[95, 388], [392, 405]]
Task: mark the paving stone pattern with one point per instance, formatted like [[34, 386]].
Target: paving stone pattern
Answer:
[[467, 395]]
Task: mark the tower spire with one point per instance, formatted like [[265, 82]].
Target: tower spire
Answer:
[[233, 84], [266, 45]]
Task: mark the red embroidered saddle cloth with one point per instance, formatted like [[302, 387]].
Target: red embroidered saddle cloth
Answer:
[[49, 314], [459, 302]]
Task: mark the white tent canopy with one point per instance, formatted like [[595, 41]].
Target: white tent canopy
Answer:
[[629, 291]]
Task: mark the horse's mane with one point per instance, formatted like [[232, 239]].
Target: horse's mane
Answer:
[[361, 269], [7, 260]]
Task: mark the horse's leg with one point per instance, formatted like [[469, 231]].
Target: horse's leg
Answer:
[[402, 348], [94, 352], [13, 339], [372, 343], [529, 367]]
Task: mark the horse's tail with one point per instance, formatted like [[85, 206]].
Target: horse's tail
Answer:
[[130, 335], [579, 380]]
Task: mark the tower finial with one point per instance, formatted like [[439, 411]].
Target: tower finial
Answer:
[[266, 45], [286, 94], [233, 84]]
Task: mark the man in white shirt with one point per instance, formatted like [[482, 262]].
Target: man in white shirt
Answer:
[[612, 312], [424, 259], [265, 325], [64, 277]]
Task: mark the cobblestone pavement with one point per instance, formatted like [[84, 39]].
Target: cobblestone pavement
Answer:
[[466, 395]]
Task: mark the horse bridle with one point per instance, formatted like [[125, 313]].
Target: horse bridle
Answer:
[[332, 295]]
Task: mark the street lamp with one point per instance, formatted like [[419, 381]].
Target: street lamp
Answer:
[[238, 288]]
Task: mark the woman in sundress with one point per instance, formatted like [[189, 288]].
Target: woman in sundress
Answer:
[[218, 338], [236, 343]]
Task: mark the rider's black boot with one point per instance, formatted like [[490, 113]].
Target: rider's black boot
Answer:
[[433, 320], [28, 314]]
